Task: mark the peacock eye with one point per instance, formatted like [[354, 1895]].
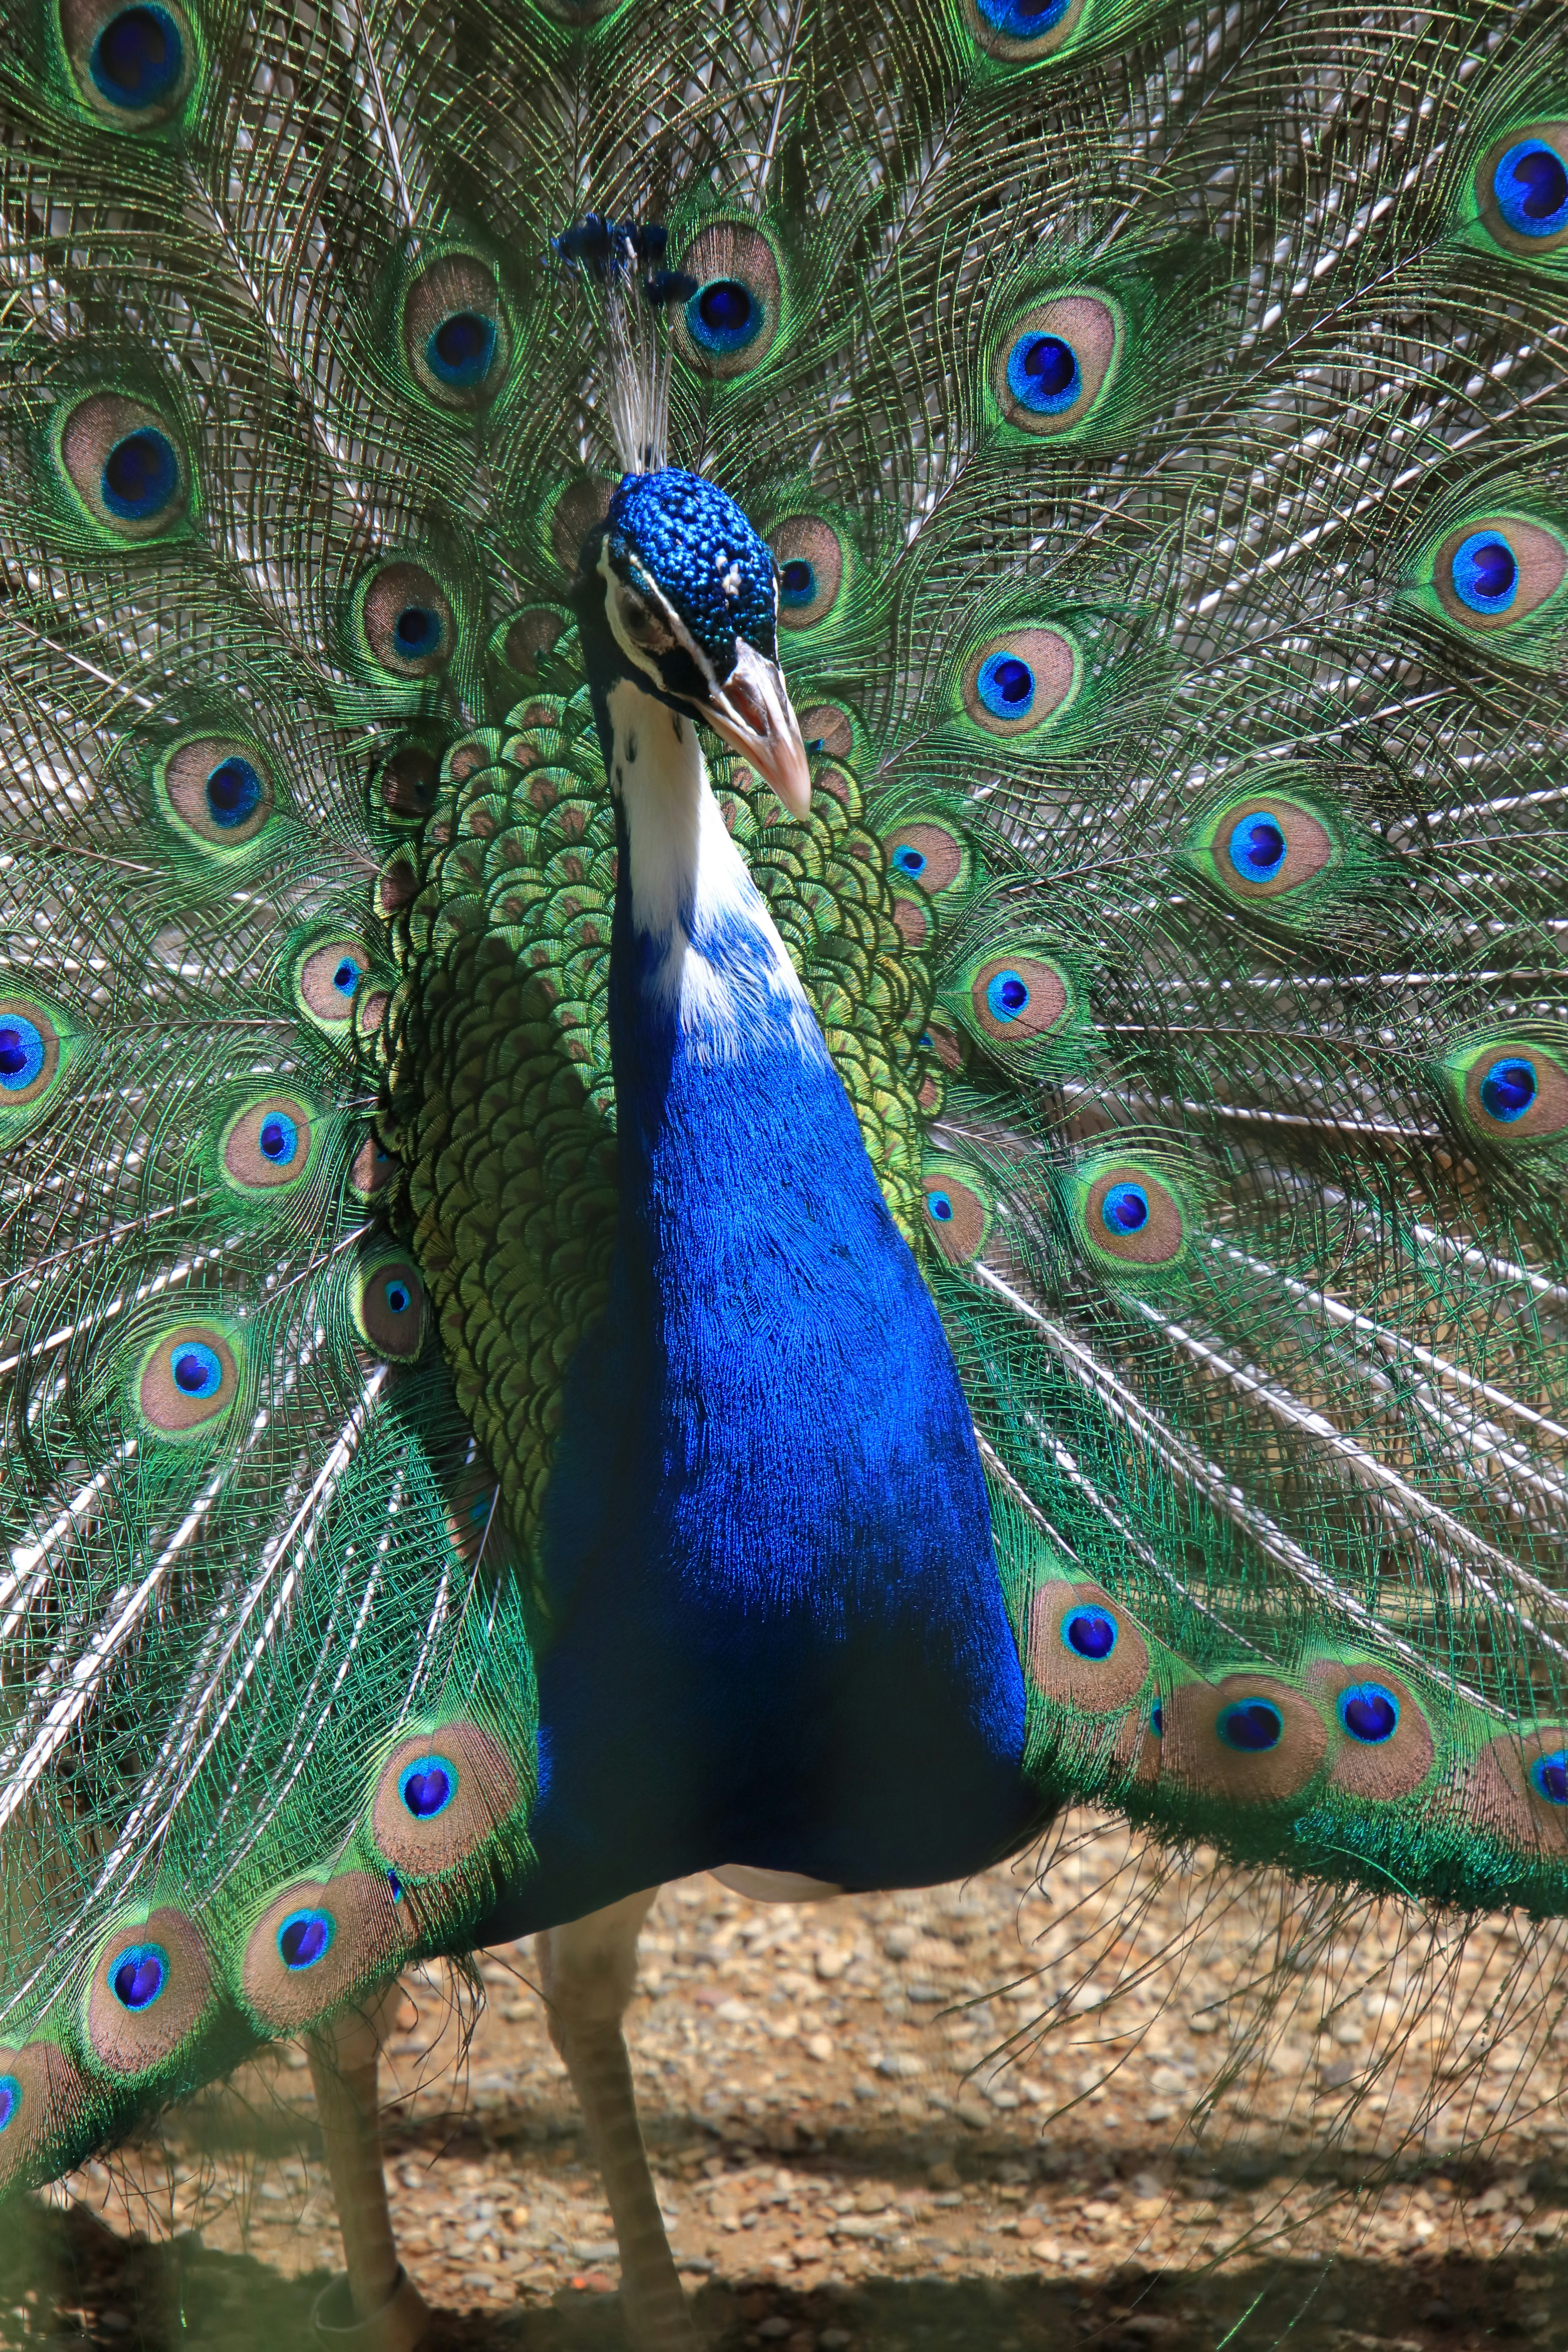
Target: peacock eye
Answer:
[[1043, 374], [123, 464], [1021, 30], [188, 1379], [1484, 572], [34, 1050], [1055, 361], [1496, 571], [642, 624], [461, 349], [1512, 1093], [406, 620], [1014, 683], [1530, 184], [455, 331], [727, 325], [811, 559], [132, 66]]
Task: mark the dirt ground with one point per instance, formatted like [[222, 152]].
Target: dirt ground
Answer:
[[1147, 2106]]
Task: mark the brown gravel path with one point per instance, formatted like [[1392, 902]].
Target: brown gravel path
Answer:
[[849, 2165]]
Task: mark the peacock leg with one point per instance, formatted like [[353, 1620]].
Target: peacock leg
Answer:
[[588, 1969], [381, 2309]]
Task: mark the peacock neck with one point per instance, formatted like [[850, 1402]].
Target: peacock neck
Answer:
[[776, 1632]]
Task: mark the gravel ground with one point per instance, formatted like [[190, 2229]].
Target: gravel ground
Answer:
[[1142, 2105]]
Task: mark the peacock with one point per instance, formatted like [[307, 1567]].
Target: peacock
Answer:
[[784, 1045]]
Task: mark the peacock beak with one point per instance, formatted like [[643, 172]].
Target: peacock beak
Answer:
[[751, 711]]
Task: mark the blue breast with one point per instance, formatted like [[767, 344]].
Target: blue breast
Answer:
[[777, 1629]]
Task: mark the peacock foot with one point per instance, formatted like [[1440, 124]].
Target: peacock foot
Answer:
[[402, 2323]]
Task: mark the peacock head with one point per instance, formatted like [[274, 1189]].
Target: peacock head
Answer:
[[677, 593]]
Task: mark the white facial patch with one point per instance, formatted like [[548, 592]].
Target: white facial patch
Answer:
[[689, 885]]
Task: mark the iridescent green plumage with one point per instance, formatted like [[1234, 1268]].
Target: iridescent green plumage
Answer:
[[1180, 903]]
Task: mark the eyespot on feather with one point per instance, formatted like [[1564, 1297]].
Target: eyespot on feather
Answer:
[[826, 724], [188, 1379], [1017, 681], [1129, 1216], [1492, 572], [1249, 1738], [268, 1144], [810, 556], [125, 465], [216, 790], [730, 324], [389, 1306], [371, 1170], [45, 2101], [327, 978], [1020, 31], [407, 784], [1517, 1787], [455, 332], [1084, 1649], [958, 1209], [1522, 189], [573, 513], [1264, 845], [317, 1941], [132, 64], [1514, 1092], [1054, 361], [438, 1797], [1015, 1001], [521, 644], [929, 853], [35, 1051], [1384, 1747], [148, 1996], [405, 620]]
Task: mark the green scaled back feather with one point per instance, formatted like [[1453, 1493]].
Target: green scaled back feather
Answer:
[[1181, 900]]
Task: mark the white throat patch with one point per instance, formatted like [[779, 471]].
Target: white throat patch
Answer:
[[689, 885]]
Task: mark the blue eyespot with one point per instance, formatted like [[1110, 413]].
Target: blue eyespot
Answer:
[[197, 1371], [1549, 1776], [1258, 847], [1006, 685], [1509, 1088], [347, 976], [10, 2098], [418, 631], [798, 582], [428, 1786], [1252, 1725], [1369, 1712], [723, 316], [138, 58], [1484, 572], [1090, 1632], [1043, 372], [1006, 995], [938, 1207], [399, 1298], [138, 1975], [278, 1139], [396, 1884], [460, 350], [1157, 1721], [910, 860], [1023, 20], [1531, 183], [1125, 1209], [141, 475], [305, 1937], [21, 1052], [234, 792]]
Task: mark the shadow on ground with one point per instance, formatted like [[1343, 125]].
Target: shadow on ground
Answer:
[[68, 2282]]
